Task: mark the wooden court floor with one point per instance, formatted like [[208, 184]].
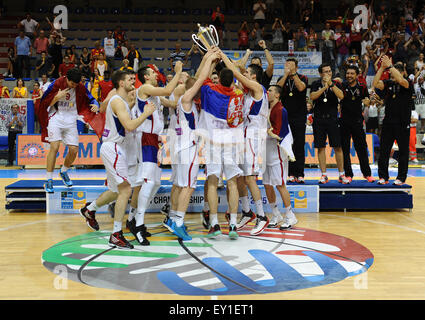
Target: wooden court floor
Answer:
[[396, 240]]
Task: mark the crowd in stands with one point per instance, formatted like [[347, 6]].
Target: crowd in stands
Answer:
[[396, 31]]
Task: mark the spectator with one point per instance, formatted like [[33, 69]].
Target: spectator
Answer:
[[110, 45], [288, 34], [95, 53], [105, 86], [306, 19], [328, 37], [11, 63], [71, 55], [124, 48], [44, 83], [55, 51], [134, 57], [413, 47], [118, 51], [94, 81], [366, 41], [36, 95], [15, 123], [369, 59], [101, 65], [4, 91], [278, 29], [243, 36], [119, 34], [20, 91], [400, 51], [413, 156], [65, 66], [257, 35], [44, 65], [372, 121], [41, 44], [301, 37], [355, 39], [342, 45], [29, 26], [420, 62], [259, 9], [177, 55], [126, 65], [85, 62], [195, 56], [312, 40], [23, 51], [217, 19]]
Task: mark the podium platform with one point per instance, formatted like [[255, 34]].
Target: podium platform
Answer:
[[29, 195]]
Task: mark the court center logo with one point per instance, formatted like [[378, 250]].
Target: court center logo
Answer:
[[274, 262]]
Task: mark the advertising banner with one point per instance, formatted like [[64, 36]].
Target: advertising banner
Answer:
[[6, 109], [304, 198], [308, 62]]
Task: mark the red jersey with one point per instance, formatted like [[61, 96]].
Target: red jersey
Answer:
[[243, 38], [63, 68], [105, 88]]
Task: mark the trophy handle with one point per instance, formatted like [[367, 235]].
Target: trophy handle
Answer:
[[217, 40], [195, 39]]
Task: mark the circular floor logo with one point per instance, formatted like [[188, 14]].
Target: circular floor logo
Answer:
[[274, 262]]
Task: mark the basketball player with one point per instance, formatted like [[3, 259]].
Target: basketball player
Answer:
[[186, 146], [256, 107], [114, 155], [279, 149], [221, 120], [64, 100], [149, 171], [170, 208]]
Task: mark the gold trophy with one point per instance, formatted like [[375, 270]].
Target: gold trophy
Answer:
[[206, 38]]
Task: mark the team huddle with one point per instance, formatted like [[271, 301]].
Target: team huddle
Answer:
[[240, 128]]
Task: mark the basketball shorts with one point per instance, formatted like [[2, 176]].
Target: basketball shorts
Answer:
[[276, 175], [68, 135], [223, 159], [115, 162], [186, 171], [253, 155]]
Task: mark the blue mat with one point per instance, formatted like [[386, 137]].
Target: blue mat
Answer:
[[332, 184]]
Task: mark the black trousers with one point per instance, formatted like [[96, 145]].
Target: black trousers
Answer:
[[11, 139], [355, 131], [23, 67], [389, 134], [296, 168]]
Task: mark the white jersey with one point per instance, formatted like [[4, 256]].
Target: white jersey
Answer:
[[66, 114], [114, 131], [173, 116], [255, 116], [155, 122], [186, 124]]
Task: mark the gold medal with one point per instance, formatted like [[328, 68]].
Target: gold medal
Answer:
[[394, 96], [353, 98], [291, 94]]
